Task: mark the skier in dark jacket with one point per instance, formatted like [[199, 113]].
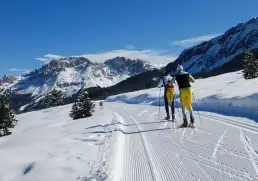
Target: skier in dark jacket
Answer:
[[164, 83], [101, 104], [183, 80]]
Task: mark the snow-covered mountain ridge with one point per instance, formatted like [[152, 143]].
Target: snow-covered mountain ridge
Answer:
[[220, 50], [70, 74]]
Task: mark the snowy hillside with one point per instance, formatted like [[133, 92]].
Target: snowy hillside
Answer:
[[227, 93], [214, 53], [128, 142], [8, 80], [70, 74]]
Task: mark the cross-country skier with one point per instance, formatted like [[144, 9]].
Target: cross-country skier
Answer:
[[101, 105], [167, 91], [183, 80]]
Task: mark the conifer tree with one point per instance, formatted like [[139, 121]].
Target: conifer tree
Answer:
[[250, 65], [54, 98], [83, 107], [7, 119]]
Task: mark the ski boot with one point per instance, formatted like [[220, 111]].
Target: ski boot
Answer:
[[167, 118], [184, 125], [173, 118], [192, 122]]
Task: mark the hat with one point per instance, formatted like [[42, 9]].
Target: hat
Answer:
[[180, 68]]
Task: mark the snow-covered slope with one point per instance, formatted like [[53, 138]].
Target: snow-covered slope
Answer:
[[227, 93], [128, 142], [8, 80], [70, 74], [214, 53]]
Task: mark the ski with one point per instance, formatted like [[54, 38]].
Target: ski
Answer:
[[188, 126], [191, 126]]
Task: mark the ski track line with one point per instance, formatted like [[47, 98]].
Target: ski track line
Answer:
[[132, 157], [168, 165], [246, 126], [234, 120], [150, 161], [163, 125], [153, 114], [211, 147], [219, 166], [166, 169], [182, 137], [136, 158], [203, 162], [217, 146], [233, 124], [199, 174], [229, 147], [187, 167], [248, 149], [232, 168], [137, 163], [119, 147], [251, 146], [142, 112]]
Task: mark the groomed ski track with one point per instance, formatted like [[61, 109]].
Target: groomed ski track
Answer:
[[221, 148]]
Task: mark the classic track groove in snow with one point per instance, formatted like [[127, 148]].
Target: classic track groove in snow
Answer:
[[146, 151], [243, 125], [248, 149], [212, 151], [218, 145]]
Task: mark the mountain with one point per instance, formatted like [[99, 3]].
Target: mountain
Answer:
[[8, 80], [70, 74], [214, 53], [220, 55]]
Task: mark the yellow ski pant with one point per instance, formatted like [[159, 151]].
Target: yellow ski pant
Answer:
[[186, 98], [170, 95]]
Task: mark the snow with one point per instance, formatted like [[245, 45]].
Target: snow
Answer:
[[128, 142], [227, 93], [69, 75], [50, 145], [132, 142]]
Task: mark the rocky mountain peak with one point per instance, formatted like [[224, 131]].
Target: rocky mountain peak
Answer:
[[55, 66], [9, 79], [220, 50]]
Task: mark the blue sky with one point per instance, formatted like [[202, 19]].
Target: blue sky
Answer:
[[34, 31]]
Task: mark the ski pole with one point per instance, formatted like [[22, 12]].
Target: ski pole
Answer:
[[197, 108], [159, 101], [178, 106]]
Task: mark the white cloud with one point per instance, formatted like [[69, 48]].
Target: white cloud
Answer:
[[19, 70], [193, 41], [130, 47], [47, 58], [156, 57]]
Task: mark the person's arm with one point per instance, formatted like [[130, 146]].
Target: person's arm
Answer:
[[173, 79], [191, 78], [160, 84]]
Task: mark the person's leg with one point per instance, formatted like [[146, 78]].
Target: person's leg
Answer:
[[173, 106], [166, 105], [183, 102], [189, 104]]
